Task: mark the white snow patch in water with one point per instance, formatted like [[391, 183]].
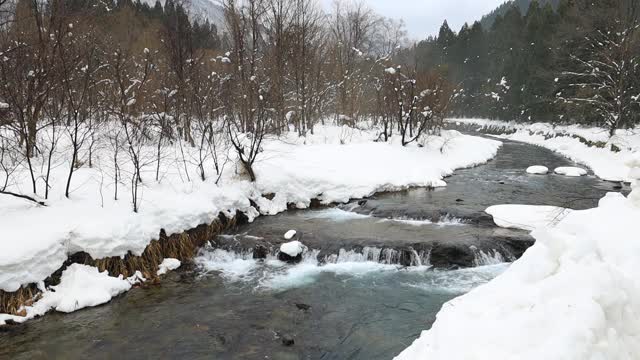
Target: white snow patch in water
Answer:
[[526, 217], [538, 170], [290, 234], [167, 265], [570, 171]]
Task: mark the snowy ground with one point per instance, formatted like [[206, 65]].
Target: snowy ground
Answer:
[[333, 165], [605, 163], [574, 295]]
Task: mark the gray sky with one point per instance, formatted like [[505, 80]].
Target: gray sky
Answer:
[[424, 17]]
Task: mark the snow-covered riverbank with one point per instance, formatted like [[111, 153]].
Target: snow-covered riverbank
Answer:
[[569, 141], [573, 296], [334, 165]]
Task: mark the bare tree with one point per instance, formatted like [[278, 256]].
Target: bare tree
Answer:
[[605, 78]]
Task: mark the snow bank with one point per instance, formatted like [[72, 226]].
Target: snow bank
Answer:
[[606, 164], [80, 286], [167, 265], [537, 170], [570, 171], [293, 248], [526, 217], [634, 174], [574, 295]]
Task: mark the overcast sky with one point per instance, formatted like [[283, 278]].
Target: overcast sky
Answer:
[[424, 17]]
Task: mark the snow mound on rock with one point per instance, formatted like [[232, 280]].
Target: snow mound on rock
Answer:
[[570, 171], [167, 265], [293, 248], [526, 217], [537, 170], [290, 234]]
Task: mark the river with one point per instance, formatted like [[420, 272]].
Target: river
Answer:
[[376, 274]]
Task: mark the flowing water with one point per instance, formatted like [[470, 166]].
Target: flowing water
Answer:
[[375, 275]]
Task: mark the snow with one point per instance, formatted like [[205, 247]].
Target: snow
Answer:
[[4, 105], [289, 234], [168, 264], [80, 286], [574, 295], [570, 171], [293, 248], [390, 71], [526, 217], [537, 170], [606, 164], [335, 164]]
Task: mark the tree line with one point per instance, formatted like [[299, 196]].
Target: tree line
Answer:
[[125, 76], [554, 61]]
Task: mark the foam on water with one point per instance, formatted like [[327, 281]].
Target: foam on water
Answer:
[[446, 220], [274, 275], [335, 214], [231, 265], [306, 273], [457, 281]]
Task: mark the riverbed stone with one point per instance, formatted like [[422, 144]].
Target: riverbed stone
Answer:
[[303, 307], [287, 340], [260, 252], [290, 259]]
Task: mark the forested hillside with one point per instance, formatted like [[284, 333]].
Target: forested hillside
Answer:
[[577, 63], [488, 20]]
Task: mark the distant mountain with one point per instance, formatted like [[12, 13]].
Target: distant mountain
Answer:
[[200, 10], [208, 9], [488, 20]]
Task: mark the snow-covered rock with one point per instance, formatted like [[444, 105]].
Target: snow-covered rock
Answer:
[[570, 171], [292, 248], [537, 170], [574, 295], [526, 217], [168, 264], [290, 234]]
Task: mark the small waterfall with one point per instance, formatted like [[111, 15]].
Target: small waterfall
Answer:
[[390, 256], [491, 257], [416, 259], [425, 258], [415, 256], [368, 253]]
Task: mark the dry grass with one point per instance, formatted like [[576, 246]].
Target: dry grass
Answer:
[[183, 246], [12, 302]]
